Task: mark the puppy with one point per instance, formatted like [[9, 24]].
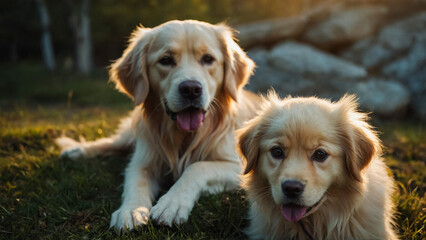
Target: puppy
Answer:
[[186, 78], [314, 172]]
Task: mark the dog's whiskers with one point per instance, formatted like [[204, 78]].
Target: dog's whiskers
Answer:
[[215, 106]]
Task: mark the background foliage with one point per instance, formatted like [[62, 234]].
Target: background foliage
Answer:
[[112, 22]]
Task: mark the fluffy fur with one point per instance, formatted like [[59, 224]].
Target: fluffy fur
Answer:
[[347, 196], [191, 161]]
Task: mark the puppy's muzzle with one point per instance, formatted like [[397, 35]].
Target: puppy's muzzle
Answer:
[[292, 188]]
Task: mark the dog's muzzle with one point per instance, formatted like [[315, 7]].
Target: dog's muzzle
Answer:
[[294, 212], [188, 119], [191, 114]]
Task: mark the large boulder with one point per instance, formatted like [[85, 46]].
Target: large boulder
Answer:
[[408, 64], [259, 56], [398, 52], [391, 42], [267, 78], [270, 31], [302, 59], [296, 69], [347, 26], [381, 96], [418, 104]]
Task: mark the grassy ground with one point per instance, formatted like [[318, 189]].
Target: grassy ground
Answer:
[[44, 197]]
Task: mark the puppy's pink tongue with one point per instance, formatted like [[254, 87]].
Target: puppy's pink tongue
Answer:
[[190, 119], [292, 212]]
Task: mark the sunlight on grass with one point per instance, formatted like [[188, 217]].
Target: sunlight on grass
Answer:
[[51, 197], [42, 195], [411, 209]]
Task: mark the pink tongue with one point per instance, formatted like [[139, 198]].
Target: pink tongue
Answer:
[[293, 213], [190, 119]]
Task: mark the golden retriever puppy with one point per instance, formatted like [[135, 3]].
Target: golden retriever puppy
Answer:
[[186, 78], [314, 172]]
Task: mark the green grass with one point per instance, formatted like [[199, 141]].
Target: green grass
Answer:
[[44, 197]]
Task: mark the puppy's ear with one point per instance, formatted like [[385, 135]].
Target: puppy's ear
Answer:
[[248, 142], [249, 136], [129, 72], [360, 141], [237, 66]]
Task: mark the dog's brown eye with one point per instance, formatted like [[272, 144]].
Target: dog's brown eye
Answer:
[[167, 61], [319, 155], [207, 59], [277, 153]]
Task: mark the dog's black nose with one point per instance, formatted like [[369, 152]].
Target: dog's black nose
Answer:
[[190, 89], [292, 189]]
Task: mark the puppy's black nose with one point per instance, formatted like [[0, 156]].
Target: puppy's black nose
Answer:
[[190, 89], [292, 189]]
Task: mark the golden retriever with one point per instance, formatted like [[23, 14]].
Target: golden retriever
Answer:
[[186, 78], [314, 172]]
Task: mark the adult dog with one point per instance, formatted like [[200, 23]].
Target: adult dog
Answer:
[[314, 172], [186, 78]]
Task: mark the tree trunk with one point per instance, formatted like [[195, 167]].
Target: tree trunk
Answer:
[[84, 42], [14, 51], [46, 41], [80, 25]]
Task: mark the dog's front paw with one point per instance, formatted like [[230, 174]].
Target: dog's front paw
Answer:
[[128, 218], [171, 208], [73, 153]]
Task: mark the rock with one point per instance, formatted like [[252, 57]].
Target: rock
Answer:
[[368, 53], [383, 97], [399, 52], [305, 60], [269, 31], [259, 56], [416, 83], [397, 55], [399, 36], [391, 42], [418, 105], [346, 26], [411, 62], [266, 78]]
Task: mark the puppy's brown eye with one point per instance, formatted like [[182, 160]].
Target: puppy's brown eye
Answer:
[[167, 61], [277, 153], [319, 155], [207, 59]]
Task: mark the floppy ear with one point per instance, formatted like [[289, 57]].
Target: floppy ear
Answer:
[[248, 142], [360, 141], [237, 66], [249, 136], [129, 72]]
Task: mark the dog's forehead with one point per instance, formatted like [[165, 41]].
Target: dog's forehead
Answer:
[[186, 35], [299, 122]]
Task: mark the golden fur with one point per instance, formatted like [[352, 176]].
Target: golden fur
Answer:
[[202, 160], [350, 192]]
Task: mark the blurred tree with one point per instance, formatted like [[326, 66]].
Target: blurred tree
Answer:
[[79, 21], [19, 24], [105, 26], [46, 42]]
